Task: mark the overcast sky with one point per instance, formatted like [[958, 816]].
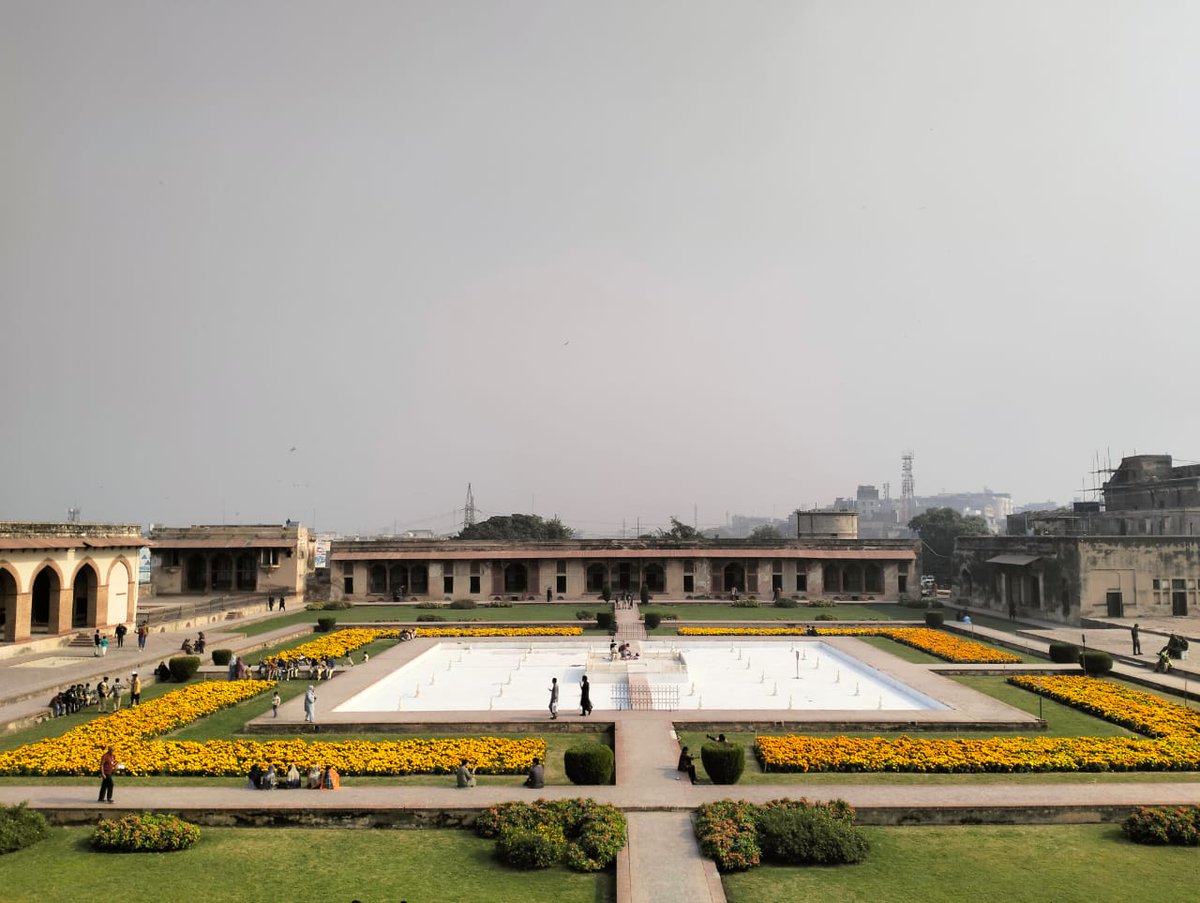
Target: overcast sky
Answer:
[[608, 261]]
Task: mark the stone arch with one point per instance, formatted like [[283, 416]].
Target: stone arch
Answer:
[[45, 592], [734, 577], [10, 588], [119, 593], [397, 579], [85, 587], [655, 577], [516, 577]]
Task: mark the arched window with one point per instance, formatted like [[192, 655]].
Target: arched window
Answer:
[[516, 577]]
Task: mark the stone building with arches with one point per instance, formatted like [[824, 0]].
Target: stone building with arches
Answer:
[[59, 578], [441, 569], [225, 559]]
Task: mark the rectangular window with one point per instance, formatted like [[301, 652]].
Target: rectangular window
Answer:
[[561, 586], [348, 584], [689, 583], [475, 583], [903, 567], [802, 581], [562, 569], [688, 566], [902, 583], [448, 577], [170, 558], [1177, 584], [269, 558], [1157, 583]]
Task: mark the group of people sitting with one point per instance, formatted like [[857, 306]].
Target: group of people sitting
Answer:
[[624, 652], [275, 778], [197, 648], [1175, 649], [300, 668], [71, 700]]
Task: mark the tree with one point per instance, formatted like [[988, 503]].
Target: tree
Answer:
[[938, 529], [680, 532], [517, 527], [765, 533]]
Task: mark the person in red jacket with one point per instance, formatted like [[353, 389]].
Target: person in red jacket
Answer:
[[108, 764]]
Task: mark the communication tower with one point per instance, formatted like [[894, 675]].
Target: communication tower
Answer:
[[906, 487], [469, 509]]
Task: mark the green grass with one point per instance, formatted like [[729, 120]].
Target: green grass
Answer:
[[250, 865], [1024, 864], [713, 611], [365, 615]]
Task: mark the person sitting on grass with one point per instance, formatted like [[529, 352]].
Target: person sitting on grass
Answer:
[[330, 779], [537, 775], [293, 777], [314, 778], [465, 775]]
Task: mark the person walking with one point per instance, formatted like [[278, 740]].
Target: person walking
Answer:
[[103, 646], [141, 637], [585, 697], [310, 703], [554, 697], [121, 631], [275, 701], [96, 641], [135, 690], [108, 764], [1134, 634]]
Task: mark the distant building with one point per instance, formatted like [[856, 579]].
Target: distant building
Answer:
[[1137, 555], [993, 507], [249, 558], [451, 569], [60, 577]]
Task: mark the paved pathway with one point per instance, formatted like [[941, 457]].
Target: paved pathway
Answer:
[[658, 802]]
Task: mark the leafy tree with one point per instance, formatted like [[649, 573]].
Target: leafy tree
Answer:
[[680, 532], [517, 527], [938, 529], [765, 533]]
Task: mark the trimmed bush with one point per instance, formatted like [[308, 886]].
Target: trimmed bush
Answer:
[[424, 618], [724, 762], [744, 603], [652, 619], [604, 620], [1064, 653], [808, 836], [149, 832], [584, 615], [465, 603], [21, 827], [222, 656], [589, 763], [182, 667], [324, 625], [786, 602], [606, 593], [1095, 662], [594, 833], [531, 848], [495, 603], [825, 616], [1159, 826], [934, 619], [644, 594], [340, 605]]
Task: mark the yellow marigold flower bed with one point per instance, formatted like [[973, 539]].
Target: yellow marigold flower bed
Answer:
[[130, 733], [335, 645], [1174, 729], [944, 645], [498, 631]]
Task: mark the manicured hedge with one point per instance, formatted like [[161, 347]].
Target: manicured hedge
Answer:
[[149, 832], [1179, 826], [589, 763], [324, 625], [724, 762], [1064, 653], [182, 667], [222, 656], [653, 619], [935, 618], [1095, 662], [20, 827]]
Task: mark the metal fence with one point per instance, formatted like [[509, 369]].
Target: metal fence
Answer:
[[646, 697]]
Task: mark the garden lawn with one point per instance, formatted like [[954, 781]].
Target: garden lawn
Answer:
[[251, 865], [1022, 864], [366, 615], [697, 612]]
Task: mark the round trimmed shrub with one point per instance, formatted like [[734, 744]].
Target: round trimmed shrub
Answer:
[[1064, 653], [589, 763], [808, 836], [539, 847], [424, 618], [934, 618], [463, 603], [604, 620], [786, 602], [324, 625], [21, 827], [150, 832], [653, 619], [182, 667], [1164, 825], [724, 762], [222, 656], [585, 615], [1095, 662]]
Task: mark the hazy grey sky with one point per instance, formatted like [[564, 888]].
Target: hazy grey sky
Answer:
[[608, 260]]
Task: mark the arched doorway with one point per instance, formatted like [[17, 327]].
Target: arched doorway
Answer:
[[222, 572], [194, 573], [247, 573], [8, 604], [419, 575], [118, 601], [655, 578], [46, 588], [398, 579], [83, 597], [853, 581], [377, 579], [735, 577], [597, 576], [516, 578]]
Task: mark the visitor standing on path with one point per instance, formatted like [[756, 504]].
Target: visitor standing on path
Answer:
[[310, 703], [135, 690], [1137, 640], [103, 646], [96, 641], [108, 764], [554, 697], [585, 697], [275, 700], [102, 692], [141, 635], [121, 631], [116, 694]]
